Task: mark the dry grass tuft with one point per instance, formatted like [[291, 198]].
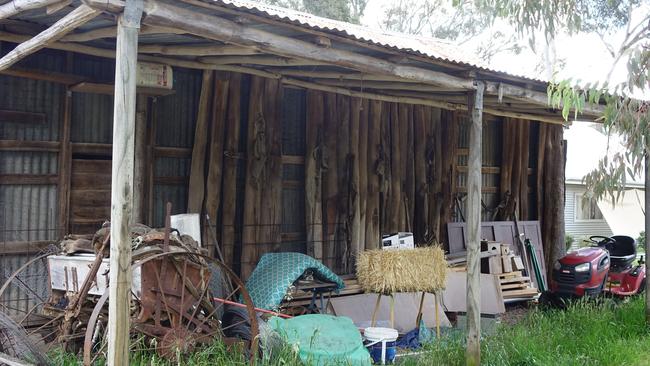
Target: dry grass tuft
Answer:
[[411, 270]]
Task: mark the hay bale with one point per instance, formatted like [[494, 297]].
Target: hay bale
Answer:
[[411, 270]]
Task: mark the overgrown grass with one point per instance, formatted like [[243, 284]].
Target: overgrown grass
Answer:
[[587, 333]]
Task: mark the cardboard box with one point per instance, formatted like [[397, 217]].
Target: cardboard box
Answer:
[[401, 240]]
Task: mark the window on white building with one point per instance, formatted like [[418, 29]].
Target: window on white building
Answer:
[[587, 209]]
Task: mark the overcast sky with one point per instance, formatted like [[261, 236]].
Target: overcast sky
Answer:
[[586, 57]]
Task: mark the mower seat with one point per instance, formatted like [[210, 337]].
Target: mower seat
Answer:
[[623, 252]]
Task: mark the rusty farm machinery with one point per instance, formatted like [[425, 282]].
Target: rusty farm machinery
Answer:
[[181, 299]]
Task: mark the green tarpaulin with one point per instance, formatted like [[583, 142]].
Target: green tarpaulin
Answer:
[[323, 339]]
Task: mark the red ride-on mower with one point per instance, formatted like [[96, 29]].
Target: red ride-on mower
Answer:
[[606, 267]]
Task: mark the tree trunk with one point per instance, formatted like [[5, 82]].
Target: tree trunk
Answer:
[[553, 234]]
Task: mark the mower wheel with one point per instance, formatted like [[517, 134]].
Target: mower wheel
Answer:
[[641, 288]]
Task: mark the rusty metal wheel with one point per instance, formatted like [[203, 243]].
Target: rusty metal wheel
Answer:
[[182, 301], [29, 325]]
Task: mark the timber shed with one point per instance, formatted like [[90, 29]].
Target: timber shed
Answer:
[[292, 132]]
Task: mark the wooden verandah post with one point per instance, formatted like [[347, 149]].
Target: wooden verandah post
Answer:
[[122, 182], [474, 163], [646, 245]]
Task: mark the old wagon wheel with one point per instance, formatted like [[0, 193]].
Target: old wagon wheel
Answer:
[[30, 323], [181, 301]]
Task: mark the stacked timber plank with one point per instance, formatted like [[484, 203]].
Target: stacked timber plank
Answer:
[[299, 298], [499, 260], [516, 286]]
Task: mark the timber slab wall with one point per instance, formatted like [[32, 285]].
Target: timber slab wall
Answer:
[[276, 168]]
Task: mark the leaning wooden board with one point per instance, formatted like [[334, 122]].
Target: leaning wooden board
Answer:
[[501, 231], [454, 297]]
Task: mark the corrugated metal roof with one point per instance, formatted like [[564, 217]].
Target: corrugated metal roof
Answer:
[[435, 48]]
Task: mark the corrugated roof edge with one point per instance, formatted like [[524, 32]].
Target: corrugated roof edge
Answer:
[[368, 35]]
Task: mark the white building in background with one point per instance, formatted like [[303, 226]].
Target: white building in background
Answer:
[[586, 145]]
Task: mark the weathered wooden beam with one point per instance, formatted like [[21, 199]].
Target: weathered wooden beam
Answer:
[[56, 7], [24, 145], [111, 32], [342, 75], [14, 7], [75, 18], [21, 117], [474, 163], [383, 85], [11, 179], [260, 60], [122, 182], [55, 77], [198, 50], [78, 48]]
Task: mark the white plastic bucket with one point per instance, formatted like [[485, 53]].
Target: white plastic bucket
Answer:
[[381, 343]]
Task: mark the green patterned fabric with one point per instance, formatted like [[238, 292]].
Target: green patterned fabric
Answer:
[[275, 272], [323, 339]]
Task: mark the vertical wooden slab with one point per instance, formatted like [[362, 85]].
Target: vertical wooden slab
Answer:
[[197, 169], [435, 177], [314, 173], [140, 170], [384, 169], [215, 157], [396, 207], [523, 179], [354, 206], [449, 143], [343, 243], [409, 170], [362, 166], [230, 159], [272, 186], [255, 165], [65, 163], [420, 159], [541, 149], [330, 181], [372, 205]]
